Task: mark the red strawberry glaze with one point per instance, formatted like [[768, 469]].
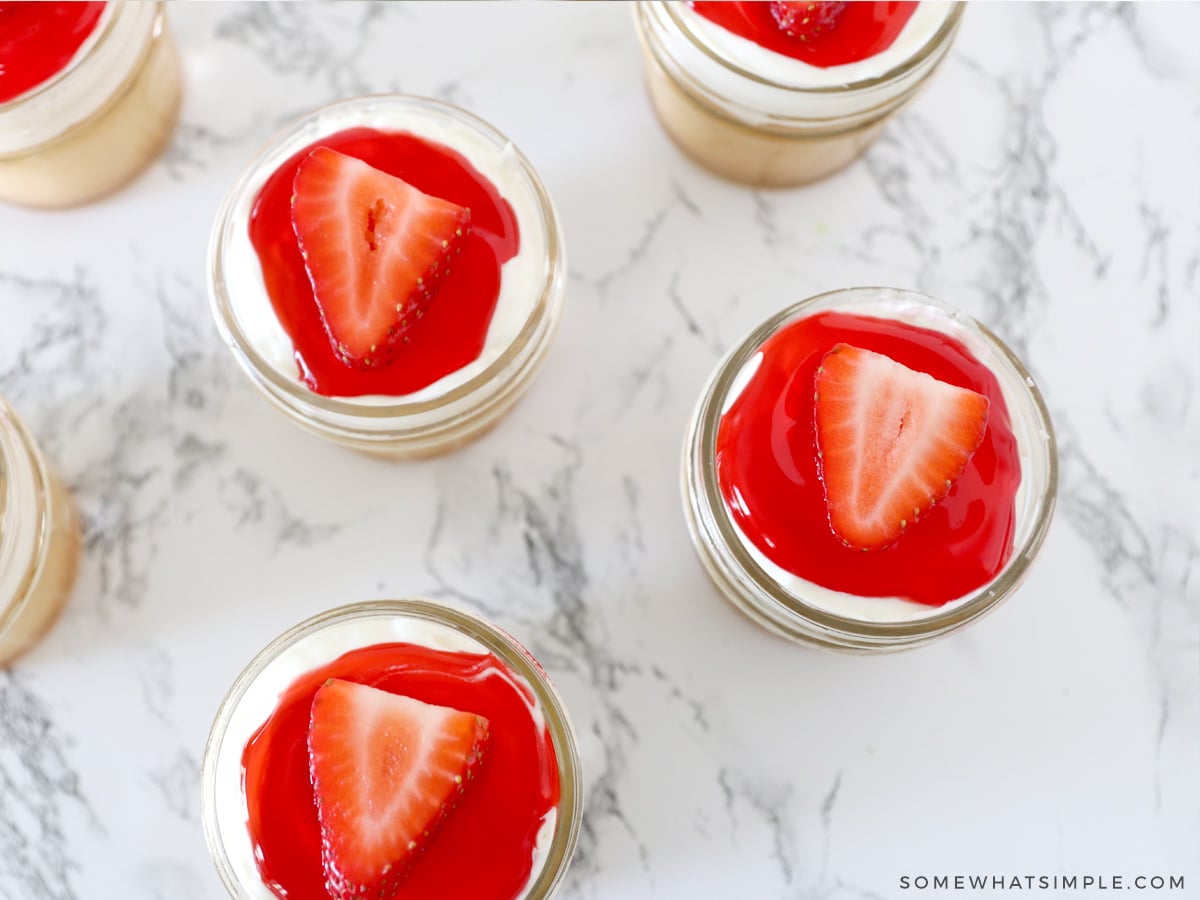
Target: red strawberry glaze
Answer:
[[864, 29], [483, 850], [39, 40], [767, 472], [453, 329]]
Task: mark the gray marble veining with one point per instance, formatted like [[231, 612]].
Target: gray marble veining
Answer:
[[1046, 182]]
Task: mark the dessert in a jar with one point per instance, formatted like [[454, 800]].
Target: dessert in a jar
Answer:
[[89, 95], [389, 272], [39, 540], [392, 749], [782, 93], [868, 470]]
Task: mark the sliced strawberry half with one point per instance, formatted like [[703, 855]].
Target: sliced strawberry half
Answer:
[[375, 248], [386, 770], [891, 442], [806, 21]]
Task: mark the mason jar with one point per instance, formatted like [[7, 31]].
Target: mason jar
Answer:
[[798, 608], [39, 540], [101, 120], [459, 407], [775, 125], [323, 640]]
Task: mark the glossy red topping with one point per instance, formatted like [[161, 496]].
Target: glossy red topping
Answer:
[[768, 469], [39, 40], [482, 850], [820, 34], [453, 329]]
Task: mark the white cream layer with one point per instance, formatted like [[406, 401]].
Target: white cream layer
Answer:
[[521, 278], [892, 305], [311, 652], [790, 87]]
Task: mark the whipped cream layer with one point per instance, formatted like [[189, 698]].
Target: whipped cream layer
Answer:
[[521, 278], [783, 86], [311, 652], [893, 305]]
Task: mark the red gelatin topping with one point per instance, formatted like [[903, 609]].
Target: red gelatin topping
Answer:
[[767, 469], [453, 327], [484, 847], [39, 40], [820, 34]]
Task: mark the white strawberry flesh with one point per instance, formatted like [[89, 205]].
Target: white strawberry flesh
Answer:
[[891, 442], [386, 770], [376, 250]]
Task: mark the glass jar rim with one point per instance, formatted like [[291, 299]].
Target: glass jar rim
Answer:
[[291, 391], [497, 642], [946, 30], [99, 75], [700, 450], [14, 439]]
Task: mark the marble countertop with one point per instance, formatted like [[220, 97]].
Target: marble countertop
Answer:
[[1047, 182]]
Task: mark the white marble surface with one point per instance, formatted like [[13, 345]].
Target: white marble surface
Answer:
[[1048, 183]]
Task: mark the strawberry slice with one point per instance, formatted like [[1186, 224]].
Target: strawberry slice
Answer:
[[375, 249], [386, 770], [890, 442], [805, 21]]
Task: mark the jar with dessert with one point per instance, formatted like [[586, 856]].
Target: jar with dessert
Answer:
[[776, 94], [89, 95], [389, 272], [869, 470], [39, 540], [392, 748]]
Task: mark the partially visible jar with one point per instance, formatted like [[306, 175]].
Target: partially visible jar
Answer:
[[39, 540], [336, 638], [464, 404], [798, 607], [721, 106], [99, 122]]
